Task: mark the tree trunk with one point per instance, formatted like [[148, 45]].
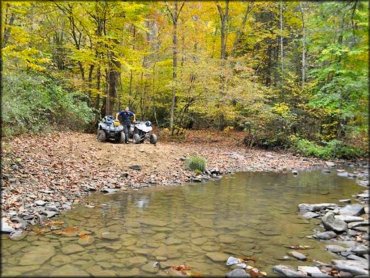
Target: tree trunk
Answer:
[[224, 17], [281, 45], [7, 30], [240, 30], [174, 16], [303, 45], [112, 80]]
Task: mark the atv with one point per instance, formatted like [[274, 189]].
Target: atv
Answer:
[[141, 131], [109, 129]]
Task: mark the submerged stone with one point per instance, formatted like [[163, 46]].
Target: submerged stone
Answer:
[[72, 248], [38, 255], [69, 270], [298, 255], [238, 272], [217, 256]]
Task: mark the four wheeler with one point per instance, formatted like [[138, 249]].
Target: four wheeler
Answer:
[[109, 129], [141, 131]]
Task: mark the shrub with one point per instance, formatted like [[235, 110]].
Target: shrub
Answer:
[[196, 163], [35, 103], [331, 149]]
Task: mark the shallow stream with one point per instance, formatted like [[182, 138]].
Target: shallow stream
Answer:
[[250, 215]]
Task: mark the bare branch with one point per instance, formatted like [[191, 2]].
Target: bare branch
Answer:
[[169, 11]]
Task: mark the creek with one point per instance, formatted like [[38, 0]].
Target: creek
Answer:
[[252, 215]]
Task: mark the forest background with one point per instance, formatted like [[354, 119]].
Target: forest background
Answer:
[[288, 74]]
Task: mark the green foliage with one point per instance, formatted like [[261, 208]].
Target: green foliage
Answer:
[[196, 163], [331, 149], [35, 103]]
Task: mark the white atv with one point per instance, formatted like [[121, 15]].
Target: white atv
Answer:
[[141, 131]]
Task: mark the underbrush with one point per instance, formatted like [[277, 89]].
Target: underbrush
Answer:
[[35, 104], [328, 150]]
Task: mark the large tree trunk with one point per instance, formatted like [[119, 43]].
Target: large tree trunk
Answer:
[[303, 45], [224, 17], [174, 17], [112, 80], [281, 44]]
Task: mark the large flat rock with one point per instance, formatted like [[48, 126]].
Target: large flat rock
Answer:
[[68, 270], [353, 210], [316, 207], [287, 271], [352, 266], [38, 255], [217, 256]]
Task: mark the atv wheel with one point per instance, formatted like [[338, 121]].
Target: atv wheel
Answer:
[[153, 139], [136, 138], [101, 136], [122, 137]]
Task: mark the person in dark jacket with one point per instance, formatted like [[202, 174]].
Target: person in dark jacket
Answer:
[[125, 119]]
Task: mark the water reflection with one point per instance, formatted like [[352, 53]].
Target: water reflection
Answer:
[[246, 214]]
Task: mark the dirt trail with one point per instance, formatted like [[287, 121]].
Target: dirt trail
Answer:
[[43, 175]]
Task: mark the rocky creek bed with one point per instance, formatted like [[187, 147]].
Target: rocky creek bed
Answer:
[[39, 184], [45, 175]]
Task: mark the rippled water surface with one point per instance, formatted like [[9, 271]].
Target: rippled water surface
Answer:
[[243, 215]]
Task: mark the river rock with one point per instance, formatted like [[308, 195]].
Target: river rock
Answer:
[[59, 260], [347, 201], [335, 248], [313, 271], [310, 214], [330, 163], [217, 256], [199, 240], [238, 272], [331, 223], [357, 258], [287, 271], [361, 229], [5, 227], [316, 207], [97, 270], [37, 255], [354, 267], [71, 249], [349, 218], [18, 235], [114, 246], [173, 241], [298, 255], [226, 239], [360, 249], [232, 260], [86, 240], [150, 268], [357, 224], [109, 235], [138, 260], [325, 235], [40, 203], [109, 190], [68, 270], [354, 210], [153, 222]]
